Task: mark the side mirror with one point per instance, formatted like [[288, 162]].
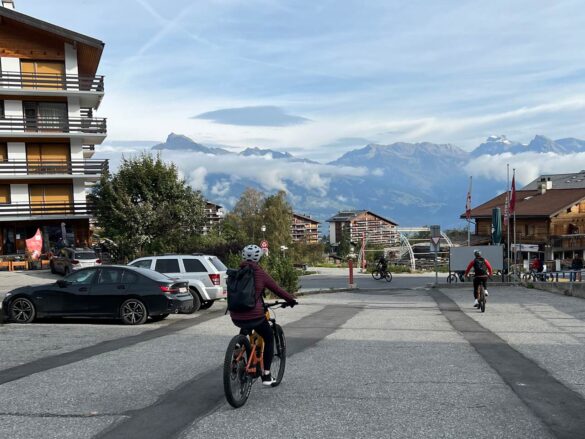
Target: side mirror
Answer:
[[62, 283]]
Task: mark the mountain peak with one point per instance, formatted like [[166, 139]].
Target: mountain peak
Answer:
[[181, 142], [264, 152], [498, 139]]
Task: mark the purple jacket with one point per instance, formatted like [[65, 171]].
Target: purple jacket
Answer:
[[261, 280]]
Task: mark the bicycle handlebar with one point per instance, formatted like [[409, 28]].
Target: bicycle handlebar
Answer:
[[278, 303]]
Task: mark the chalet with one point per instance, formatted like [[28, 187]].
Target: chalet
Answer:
[[49, 91], [362, 224], [550, 213], [304, 229]]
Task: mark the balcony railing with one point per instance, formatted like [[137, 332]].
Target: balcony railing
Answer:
[[85, 167], [74, 125], [49, 209], [42, 81]]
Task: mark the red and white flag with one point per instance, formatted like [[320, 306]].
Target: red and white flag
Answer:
[[513, 194], [468, 202]]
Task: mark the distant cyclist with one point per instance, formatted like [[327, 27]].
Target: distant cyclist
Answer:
[[482, 269], [383, 264]]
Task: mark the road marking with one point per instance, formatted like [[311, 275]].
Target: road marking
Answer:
[[193, 400], [51, 362], [558, 407]]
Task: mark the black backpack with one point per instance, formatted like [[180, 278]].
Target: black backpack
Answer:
[[241, 291], [479, 267]]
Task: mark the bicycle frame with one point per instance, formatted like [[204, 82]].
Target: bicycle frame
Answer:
[[257, 357]]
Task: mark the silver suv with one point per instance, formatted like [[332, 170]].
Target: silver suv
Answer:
[[70, 259], [206, 275]]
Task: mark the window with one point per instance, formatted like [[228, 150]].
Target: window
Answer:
[[4, 194], [83, 277], [194, 266], [167, 266], [130, 278], [110, 276], [3, 151], [145, 263], [42, 74], [85, 255], [218, 264]]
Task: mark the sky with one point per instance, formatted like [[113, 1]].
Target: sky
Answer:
[[318, 78]]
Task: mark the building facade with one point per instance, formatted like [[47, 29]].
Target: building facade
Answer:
[[362, 224], [550, 216], [304, 229], [48, 94]]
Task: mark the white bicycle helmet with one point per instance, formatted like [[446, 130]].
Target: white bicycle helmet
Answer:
[[252, 253]]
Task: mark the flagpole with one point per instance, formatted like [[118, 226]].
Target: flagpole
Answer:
[[515, 247], [508, 249], [469, 207]]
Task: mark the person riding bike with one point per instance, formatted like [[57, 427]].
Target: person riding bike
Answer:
[[383, 264], [482, 269], [255, 319]]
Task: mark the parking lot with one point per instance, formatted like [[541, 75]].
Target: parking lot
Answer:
[[399, 363]]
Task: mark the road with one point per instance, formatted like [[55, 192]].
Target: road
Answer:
[[387, 363]]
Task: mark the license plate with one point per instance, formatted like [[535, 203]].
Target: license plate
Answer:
[[182, 290]]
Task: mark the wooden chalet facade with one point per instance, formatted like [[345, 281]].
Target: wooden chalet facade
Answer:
[[363, 224], [49, 91], [304, 229], [553, 219]]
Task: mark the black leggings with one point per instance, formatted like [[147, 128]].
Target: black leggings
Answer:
[[265, 331], [477, 281]]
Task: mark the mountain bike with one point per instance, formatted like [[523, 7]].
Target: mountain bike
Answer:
[[482, 297], [378, 274], [244, 363]]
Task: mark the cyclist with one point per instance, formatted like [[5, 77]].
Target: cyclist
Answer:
[[383, 264], [255, 318], [482, 269]]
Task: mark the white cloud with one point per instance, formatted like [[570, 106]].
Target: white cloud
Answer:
[[529, 166], [196, 177]]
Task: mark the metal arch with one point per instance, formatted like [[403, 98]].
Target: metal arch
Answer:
[[404, 241], [444, 235]]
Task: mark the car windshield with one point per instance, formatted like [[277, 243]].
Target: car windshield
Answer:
[[217, 263], [85, 255]]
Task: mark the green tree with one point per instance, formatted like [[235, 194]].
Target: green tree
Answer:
[[145, 207], [344, 245], [244, 222], [276, 215]]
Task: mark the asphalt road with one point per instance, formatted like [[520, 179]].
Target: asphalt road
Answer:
[[387, 363]]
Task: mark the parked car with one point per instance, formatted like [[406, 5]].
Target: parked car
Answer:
[[68, 260], [131, 294], [206, 275]]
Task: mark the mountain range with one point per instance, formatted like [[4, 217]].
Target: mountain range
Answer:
[[411, 183]]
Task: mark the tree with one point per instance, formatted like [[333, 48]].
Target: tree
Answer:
[[344, 245], [145, 207], [277, 217], [245, 220]]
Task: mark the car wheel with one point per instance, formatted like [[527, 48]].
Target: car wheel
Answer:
[[196, 301], [133, 312], [22, 310], [159, 317], [207, 304]]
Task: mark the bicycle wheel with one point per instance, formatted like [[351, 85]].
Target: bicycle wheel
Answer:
[[452, 278], [236, 382], [376, 275], [388, 276], [279, 359], [481, 298]]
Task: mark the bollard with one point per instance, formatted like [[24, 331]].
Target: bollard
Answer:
[[350, 266]]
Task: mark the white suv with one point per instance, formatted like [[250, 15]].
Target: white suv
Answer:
[[206, 275]]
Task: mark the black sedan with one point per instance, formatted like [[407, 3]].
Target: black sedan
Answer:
[[131, 294]]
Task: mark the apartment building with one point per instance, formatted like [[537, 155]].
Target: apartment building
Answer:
[[304, 229], [362, 224], [48, 94]]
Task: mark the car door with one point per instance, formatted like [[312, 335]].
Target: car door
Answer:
[[107, 292], [168, 266], [68, 296]]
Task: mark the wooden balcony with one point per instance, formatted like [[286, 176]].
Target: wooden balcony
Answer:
[[40, 81], [30, 169], [90, 130], [47, 209]]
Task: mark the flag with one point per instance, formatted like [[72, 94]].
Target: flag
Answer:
[[35, 245], [513, 195], [468, 202]]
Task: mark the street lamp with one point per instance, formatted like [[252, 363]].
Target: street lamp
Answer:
[[205, 230], [263, 228], [283, 249]]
